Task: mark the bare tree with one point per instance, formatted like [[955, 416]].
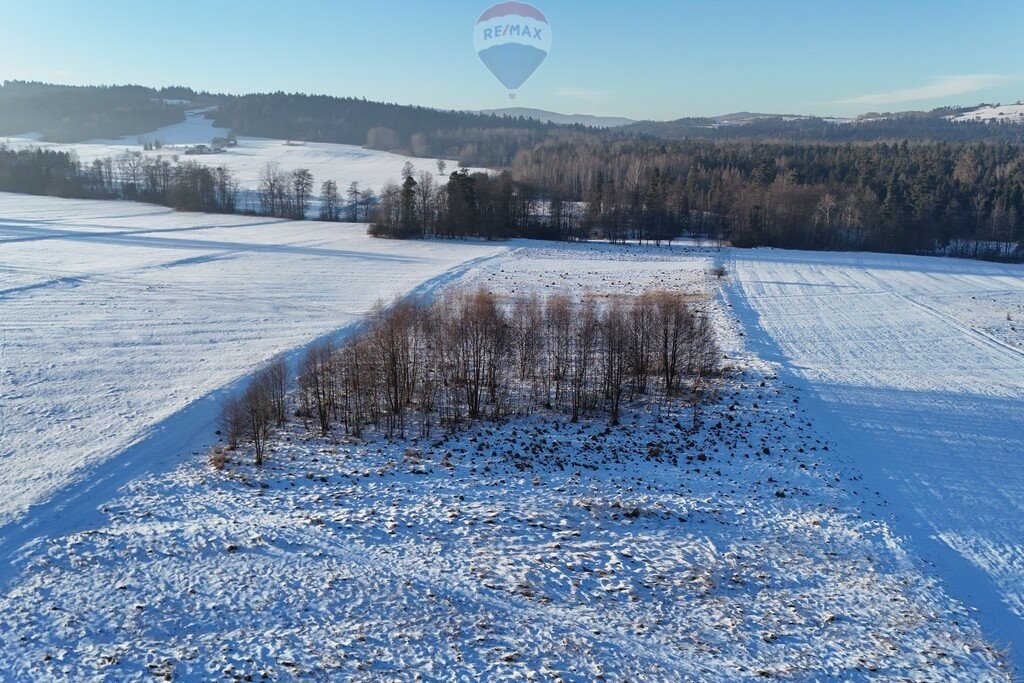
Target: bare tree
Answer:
[[275, 376], [475, 317], [226, 189], [272, 191], [704, 363], [528, 326], [231, 421], [583, 345], [302, 190], [558, 316], [129, 166], [615, 338], [353, 201], [317, 384], [393, 339], [641, 331], [425, 200], [367, 200], [356, 379], [330, 209], [672, 329], [257, 416], [824, 214]]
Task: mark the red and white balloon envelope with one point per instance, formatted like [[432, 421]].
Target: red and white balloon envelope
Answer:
[[512, 39]]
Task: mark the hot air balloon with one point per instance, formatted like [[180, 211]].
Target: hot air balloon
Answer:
[[512, 39]]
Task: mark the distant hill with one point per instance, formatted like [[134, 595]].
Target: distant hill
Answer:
[[63, 113], [60, 113], [744, 117], [563, 119], [474, 139], [491, 138], [949, 124]]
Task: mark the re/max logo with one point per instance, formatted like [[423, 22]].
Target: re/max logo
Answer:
[[512, 30]]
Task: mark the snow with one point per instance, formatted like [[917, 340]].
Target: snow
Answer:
[[851, 510], [118, 316], [195, 129], [917, 365], [535, 549], [347, 561], [327, 161], [1011, 113]]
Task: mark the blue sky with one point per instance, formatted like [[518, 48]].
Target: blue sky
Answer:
[[639, 59]]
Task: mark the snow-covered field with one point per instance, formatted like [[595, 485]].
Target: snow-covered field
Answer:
[[851, 510], [1000, 113], [116, 317], [327, 161], [918, 364], [533, 550]]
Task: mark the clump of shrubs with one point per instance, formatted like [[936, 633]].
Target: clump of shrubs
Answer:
[[218, 458]]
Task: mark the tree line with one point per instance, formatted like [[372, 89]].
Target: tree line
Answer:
[[181, 185], [958, 198], [289, 194], [938, 198], [464, 204], [929, 126]]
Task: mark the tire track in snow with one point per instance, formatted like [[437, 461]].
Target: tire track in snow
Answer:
[[971, 332]]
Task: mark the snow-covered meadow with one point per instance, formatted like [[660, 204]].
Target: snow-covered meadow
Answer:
[[994, 113], [117, 317], [916, 366], [327, 161], [537, 549]]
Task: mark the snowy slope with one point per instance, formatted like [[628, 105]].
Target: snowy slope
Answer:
[[118, 316], [533, 550], [327, 161], [919, 367], [1000, 113], [195, 129]]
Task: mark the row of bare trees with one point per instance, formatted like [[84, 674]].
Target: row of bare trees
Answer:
[[284, 194], [289, 194], [181, 185], [472, 355]]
